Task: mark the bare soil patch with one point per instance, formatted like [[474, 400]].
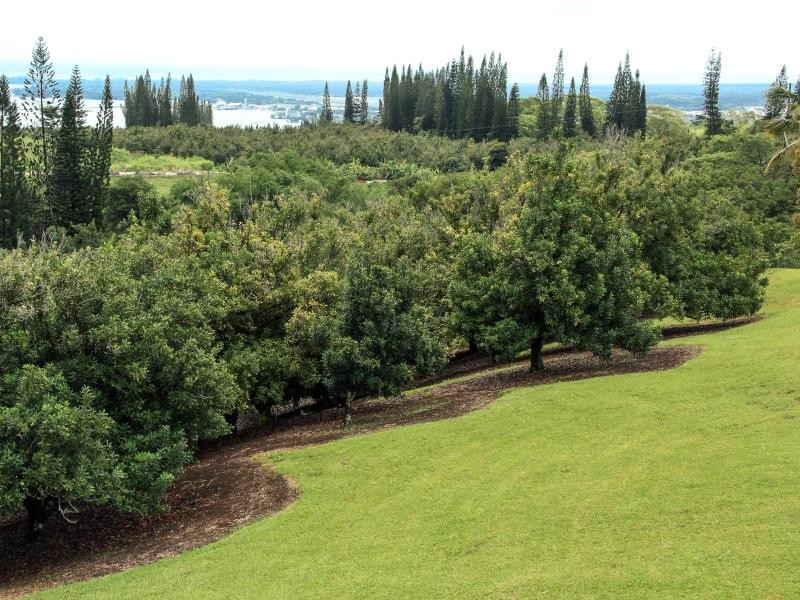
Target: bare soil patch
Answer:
[[227, 487]]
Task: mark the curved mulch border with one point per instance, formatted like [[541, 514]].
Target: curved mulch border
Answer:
[[227, 487]]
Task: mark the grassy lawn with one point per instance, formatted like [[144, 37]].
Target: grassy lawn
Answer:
[[124, 160], [681, 483]]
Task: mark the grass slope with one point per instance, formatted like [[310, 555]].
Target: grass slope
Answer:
[[681, 483]]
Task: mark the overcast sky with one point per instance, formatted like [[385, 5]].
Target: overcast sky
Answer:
[[307, 39]]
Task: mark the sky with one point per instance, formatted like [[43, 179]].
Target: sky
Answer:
[[307, 39]]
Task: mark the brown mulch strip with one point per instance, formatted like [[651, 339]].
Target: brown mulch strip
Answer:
[[227, 487], [465, 362]]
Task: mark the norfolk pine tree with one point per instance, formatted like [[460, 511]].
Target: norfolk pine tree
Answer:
[[585, 105], [543, 120], [42, 103], [364, 104], [513, 112], [557, 97], [326, 116], [348, 104], [570, 111], [99, 163], [68, 189], [713, 116]]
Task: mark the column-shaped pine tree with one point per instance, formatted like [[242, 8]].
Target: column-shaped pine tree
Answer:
[[776, 104], [364, 103], [641, 122], [68, 185], [384, 104], [570, 111], [6, 207], [630, 111], [42, 104], [99, 163], [543, 120], [513, 111], [616, 102], [165, 102], [326, 116], [17, 217], [585, 105], [348, 104], [711, 112], [557, 96], [394, 114], [500, 112]]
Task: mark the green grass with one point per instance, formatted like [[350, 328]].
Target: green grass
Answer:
[[124, 160], [681, 483]]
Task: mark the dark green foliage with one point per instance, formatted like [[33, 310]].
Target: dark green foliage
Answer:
[[326, 116], [68, 187], [126, 196], [544, 120], [568, 270], [13, 220], [713, 117], [513, 112], [557, 95], [382, 338], [585, 105], [348, 104], [99, 156], [625, 111], [777, 104], [641, 114], [363, 104], [146, 106], [164, 100], [570, 111], [56, 443], [393, 105], [41, 103], [456, 100], [113, 361], [616, 102]]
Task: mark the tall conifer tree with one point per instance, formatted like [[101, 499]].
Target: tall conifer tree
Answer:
[[641, 123], [326, 116], [15, 218], [165, 102], [777, 104], [364, 103], [543, 120], [513, 112], [616, 102], [570, 111], [99, 163], [68, 186], [42, 104], [585, 105], [5, 103], [557, 96], [394, 114], [348, 104], [711, 112]]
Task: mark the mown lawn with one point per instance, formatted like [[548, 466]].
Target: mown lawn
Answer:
[[683, 483], [124, 160]]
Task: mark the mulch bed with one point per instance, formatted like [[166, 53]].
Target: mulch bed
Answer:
[[227, 487]]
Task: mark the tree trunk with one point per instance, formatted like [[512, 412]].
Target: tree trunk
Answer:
[[537, 362], [347, 414], [37, 515]]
